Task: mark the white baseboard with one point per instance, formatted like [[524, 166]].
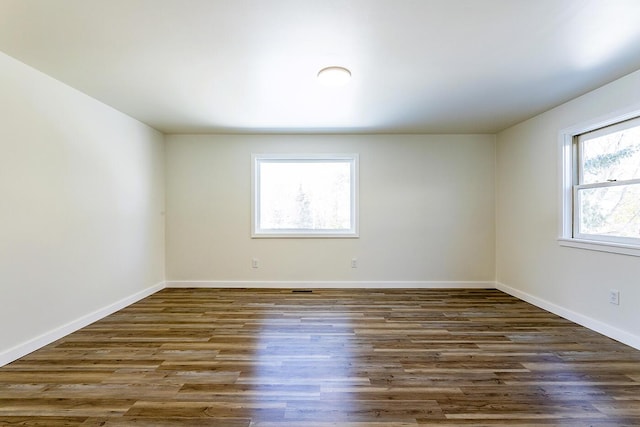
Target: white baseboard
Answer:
[[586, 321], [329, 284], [33, 344], [27, 347]]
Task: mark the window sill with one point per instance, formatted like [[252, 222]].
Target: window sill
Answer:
[[276, 235], [593, 245], [297, 234]]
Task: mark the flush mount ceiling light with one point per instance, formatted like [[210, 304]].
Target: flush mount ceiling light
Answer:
[[334, 76]]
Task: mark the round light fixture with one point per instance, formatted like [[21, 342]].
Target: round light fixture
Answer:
[[334, 76]]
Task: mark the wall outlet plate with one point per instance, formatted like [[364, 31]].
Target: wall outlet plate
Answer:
[[614, 297]]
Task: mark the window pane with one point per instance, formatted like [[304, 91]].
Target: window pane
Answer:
[[610, 211], [613, 156], [305, 195]]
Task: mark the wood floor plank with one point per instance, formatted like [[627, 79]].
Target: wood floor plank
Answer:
[[326, 358]]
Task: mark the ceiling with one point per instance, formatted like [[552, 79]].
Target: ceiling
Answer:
[[418, 66]]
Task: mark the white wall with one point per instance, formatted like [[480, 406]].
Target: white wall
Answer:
[[530, 262], [81, 200], [426, 212]]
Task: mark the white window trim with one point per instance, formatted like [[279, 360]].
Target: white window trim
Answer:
[[257, 232], [567, 157]]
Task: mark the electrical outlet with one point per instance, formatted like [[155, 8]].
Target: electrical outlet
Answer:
[[354, 262], [614, 297], [255, 263]]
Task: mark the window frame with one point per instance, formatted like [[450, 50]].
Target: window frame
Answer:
[[257, 232], [571, 172]]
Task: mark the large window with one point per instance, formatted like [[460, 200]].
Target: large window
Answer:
[[305, 195], [602, 186]]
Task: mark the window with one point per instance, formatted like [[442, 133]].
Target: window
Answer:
[[305, 195], [602, 187]]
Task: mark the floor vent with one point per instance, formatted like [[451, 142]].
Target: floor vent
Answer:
[[302, 291]]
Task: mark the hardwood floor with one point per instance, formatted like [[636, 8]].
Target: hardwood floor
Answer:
[[352, 358]]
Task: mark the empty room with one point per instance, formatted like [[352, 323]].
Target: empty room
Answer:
[[352, 213]]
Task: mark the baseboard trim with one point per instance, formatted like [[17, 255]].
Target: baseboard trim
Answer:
[[29, 346], [586, 321], [291, 284], [38, 342]]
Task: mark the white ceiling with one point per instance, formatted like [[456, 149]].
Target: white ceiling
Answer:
[[434, 66]]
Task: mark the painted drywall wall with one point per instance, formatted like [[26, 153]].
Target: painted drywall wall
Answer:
[[426, 212], [530, 262], [82, 195]]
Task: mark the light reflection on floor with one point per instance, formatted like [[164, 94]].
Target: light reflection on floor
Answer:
[[305, 360]]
